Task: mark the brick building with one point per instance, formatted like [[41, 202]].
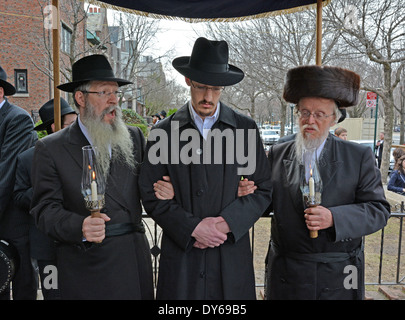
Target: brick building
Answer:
[[26, 47]]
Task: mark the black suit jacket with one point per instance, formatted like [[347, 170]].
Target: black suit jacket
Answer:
[[352, 191], [119, 267], [16, 135]]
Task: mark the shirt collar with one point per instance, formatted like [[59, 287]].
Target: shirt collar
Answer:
[[84, 130], [2, 103]]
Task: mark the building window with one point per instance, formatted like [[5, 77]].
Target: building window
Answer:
[[21, 80], [66, 38]]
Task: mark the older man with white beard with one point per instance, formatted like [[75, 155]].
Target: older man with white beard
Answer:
[[330, 266], [105, 257]]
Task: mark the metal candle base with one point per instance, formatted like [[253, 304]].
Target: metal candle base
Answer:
[[94, 205]]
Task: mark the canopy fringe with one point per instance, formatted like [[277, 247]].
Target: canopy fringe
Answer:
[[196, 20]]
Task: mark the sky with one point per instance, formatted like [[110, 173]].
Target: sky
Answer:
[[175, 35]]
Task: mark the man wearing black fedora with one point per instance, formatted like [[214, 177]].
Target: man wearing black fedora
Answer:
[[330, 264], [42, 248], [46, 113], [105, 257], [206, 250], [16, 135]]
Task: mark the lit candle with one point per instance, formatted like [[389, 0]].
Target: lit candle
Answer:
[[311, 185], [94, 196]]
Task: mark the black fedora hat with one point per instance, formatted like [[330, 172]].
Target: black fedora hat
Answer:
[[94, 67], [208, 64], [9, 89], [46, 112]]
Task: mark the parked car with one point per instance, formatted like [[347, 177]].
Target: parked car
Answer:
[[270, 136]]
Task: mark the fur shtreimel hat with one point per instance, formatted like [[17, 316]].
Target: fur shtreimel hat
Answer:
[[333, 83]]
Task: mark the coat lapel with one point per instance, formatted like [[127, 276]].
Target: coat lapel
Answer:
[[117, 183], [293, 171], [328, 165]]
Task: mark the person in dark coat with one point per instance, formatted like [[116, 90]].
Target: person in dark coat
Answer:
[[330, 266], [206, 251], [42, 248], [16, 135], [379, 149], [104, 257]]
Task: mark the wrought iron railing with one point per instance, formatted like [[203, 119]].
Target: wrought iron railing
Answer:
[[388, 254]]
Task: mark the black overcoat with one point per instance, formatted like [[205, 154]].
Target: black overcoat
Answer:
[[353, 192], [205, 190], [119, 267]]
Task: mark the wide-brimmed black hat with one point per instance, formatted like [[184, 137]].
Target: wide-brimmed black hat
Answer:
[[9, 89], [334, 83], [46, 113], [208, 64], [94, 67]]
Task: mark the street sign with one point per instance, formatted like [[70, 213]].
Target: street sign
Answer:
[[371, 99]]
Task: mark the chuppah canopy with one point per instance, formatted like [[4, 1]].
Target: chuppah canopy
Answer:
[[195, 11], [207, 10]]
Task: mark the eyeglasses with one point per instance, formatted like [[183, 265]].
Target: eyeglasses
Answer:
[[319, 115], [215, 90], [105, 94]]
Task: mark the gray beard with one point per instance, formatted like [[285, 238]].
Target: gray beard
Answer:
[[106, 137]]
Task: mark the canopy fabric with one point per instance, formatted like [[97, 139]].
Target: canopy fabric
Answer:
[[207, 10]]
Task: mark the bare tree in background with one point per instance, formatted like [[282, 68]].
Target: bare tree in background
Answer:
[[265, 49], [375, 29]]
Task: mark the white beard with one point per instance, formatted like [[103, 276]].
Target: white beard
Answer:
[[304, 145], [106, 137]]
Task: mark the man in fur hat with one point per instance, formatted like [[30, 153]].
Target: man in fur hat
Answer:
[[206, 250], [331, 265]]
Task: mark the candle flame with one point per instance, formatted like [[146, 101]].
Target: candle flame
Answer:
[[93, 175], [310, 172]]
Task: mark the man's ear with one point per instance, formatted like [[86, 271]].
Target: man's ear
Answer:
[[188, 81], [79, 97]]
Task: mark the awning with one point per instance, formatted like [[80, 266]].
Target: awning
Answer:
[[207, 10]]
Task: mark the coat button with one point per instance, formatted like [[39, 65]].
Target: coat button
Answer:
[[200, 192]]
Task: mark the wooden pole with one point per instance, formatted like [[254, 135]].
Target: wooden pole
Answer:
[[56, 73], [318, 57]]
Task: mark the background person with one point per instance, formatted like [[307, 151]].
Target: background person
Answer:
[[379, 149], [42, 248], [341, 133], [16, 135], [397, 180]]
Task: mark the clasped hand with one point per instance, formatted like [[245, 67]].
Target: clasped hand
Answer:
[[211, 232], [94, 228], [318, 218]]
